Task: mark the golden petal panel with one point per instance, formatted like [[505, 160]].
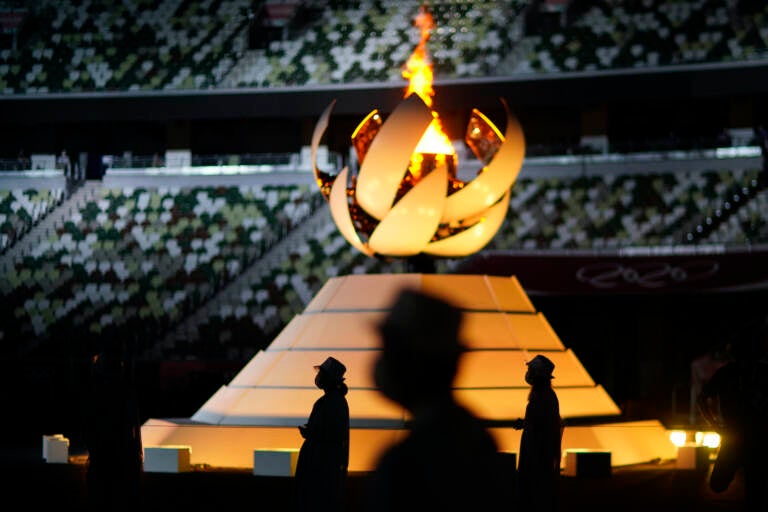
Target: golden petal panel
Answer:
[[414, 218], [496, 179], [324, 180], [474, 238], [340, 213], [388, 157]]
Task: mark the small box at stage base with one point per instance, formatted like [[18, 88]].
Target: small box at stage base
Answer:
[[587, 463], [167, 459], [692, 456], [56, 449], [278, 462]]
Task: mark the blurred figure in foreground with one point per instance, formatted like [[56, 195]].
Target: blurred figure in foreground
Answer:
[[540, 444], [448, 460], [735, 403], [113, 434], [321, 471], [703, 368]]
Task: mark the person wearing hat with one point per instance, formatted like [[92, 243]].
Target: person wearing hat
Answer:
[[538, 468], [447, 460], [321, 470]]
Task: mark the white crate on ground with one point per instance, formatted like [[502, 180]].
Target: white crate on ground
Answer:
[[167, 459], [56, 449], [277, 462]]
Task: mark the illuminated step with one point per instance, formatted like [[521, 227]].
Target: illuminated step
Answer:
[[356, 329], [478, 369], [368, 408]]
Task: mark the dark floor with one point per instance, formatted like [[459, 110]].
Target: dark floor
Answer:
[[30, 481]]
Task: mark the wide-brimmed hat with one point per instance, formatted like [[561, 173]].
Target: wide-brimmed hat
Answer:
[[421, 323], [541, 366], [333, 368]]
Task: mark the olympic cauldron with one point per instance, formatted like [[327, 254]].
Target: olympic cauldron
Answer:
[[406, 198]]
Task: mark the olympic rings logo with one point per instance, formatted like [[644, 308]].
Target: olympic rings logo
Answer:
[[646, 275]]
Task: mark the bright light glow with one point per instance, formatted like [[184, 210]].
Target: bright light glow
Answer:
[[435, 141], [374, 114], [708, 439], [678, 437]]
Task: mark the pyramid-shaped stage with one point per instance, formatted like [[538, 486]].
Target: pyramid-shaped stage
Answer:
[[274, 393]]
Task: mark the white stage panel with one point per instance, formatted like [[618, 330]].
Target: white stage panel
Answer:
[[291, 407], [333, 330], [506, 368], [365, 292], [291, 332], [483, 293], [256, 368], [493, 330], [219, 405], [294, 368], [505, 404]]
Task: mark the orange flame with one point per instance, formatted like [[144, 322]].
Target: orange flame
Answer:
[[418, 70]]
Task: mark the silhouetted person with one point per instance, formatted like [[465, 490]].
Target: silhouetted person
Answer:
[[64, 163], [735, 402], [448, 460], [321, 471], [113, 434], [538, 470], [22, 161]]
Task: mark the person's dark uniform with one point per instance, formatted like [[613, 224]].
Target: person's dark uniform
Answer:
[[447, 460], [735, 402], [540, 443], [321, 470]]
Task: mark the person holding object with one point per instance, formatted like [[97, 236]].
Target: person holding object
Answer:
[[321, 470], [540, 443]]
